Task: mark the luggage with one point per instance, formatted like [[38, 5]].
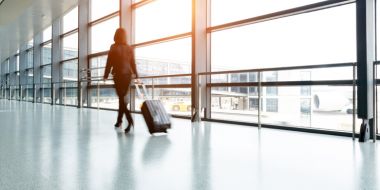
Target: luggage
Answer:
[[154, 113]]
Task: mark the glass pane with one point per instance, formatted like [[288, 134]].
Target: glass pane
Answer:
[[46, 93], [243, 9], [102, 35], [165, 58], [29, 59], [97, 65], [17, 78], [70, 46], [69, 93], [6, 66], [101, 8], [29, 74], [104, 98], [70, 70], [176, 101], [326, 36], [70, 20], [162, 18], [47, 34], [28, 93], [46, 54], [325, 107], [46, 74]]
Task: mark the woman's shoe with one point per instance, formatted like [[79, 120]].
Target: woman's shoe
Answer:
[[118, 124], [130, 125]]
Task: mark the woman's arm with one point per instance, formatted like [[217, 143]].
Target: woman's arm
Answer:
[[108, 65], [133, 63]]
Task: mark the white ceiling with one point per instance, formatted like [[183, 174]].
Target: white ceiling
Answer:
[[20, 20]]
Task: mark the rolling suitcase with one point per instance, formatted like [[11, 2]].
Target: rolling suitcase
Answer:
[[154, 113]]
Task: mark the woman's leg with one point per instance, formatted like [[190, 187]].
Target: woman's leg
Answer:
[[120, 111], [119, 92], [127, 112]]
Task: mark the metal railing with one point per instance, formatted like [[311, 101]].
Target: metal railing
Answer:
[[259, 84], [152, 82], [8, 91]]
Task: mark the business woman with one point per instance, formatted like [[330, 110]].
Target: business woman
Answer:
[[121, 63]]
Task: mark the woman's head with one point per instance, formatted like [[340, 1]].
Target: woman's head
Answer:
[[120, 36]]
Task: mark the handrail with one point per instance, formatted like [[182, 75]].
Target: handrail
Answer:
[[144, 77], [165, 76], [283, 83], [321, 66]]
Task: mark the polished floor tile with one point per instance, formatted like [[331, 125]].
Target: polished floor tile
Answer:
[[56, 147]]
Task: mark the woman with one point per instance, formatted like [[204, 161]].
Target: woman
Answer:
[[121, 60]]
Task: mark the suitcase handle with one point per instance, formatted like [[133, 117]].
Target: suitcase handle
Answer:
[[144, 94]]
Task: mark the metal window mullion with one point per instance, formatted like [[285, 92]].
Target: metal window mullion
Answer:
[[83, 49]]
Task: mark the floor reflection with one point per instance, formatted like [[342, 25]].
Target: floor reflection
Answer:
[[155, 149], [125, 172], [201, 166], [368, 166]]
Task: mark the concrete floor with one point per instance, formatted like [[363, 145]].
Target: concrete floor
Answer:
[[56, 147]]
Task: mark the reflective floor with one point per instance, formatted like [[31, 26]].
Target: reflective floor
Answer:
[[56, 147]]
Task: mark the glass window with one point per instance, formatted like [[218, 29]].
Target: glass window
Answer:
[[70, 20], [102, 35], [70, 70], [172, 57], [29, 59], [97, 65], [47, 34], [103, 98], [29, 74], [101, 8], [176, 101], [70, 46], [46, 74], [6, 66], [243, 9], [160, 19], [46, 54], [271, 105], [326, 36]]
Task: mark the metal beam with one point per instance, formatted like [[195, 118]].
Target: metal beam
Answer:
[[83, 48], [365, 36], [37, 50], [200, 63], [56, 72]]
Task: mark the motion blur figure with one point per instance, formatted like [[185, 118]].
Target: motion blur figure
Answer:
[[121, 63]]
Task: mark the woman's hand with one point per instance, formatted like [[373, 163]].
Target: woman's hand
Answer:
[[138, 81]]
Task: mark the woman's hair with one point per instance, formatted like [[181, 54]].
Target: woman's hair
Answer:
[[120, 36]]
